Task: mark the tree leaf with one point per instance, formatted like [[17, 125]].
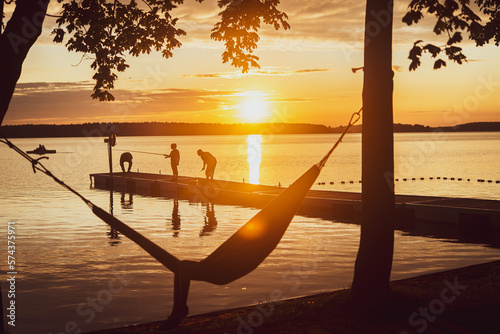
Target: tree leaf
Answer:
[[433, 50], [440, 27], [456, 38], [438, 63], [413, 16]]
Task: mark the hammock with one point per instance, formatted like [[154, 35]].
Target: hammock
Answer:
[[237, 256]]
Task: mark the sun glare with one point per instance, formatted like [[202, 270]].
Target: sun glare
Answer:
[[254, 109]]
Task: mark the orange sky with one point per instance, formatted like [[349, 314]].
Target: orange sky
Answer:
[[305, 76]]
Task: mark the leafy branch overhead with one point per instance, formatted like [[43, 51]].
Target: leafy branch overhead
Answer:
[[454, 18], [108, 30], [239, 26]]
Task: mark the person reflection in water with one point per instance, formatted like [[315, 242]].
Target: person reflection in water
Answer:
[[114, 237], [209, 162], [176, 219], [127, 204], [126, 157], [210, 221], [175, 158]]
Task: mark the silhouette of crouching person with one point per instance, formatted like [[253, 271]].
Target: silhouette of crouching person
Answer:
[[126, 157], [209, 162]]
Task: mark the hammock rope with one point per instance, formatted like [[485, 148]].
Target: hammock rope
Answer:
[[237, 256], [154, 250], [354, 119], [37, 165]]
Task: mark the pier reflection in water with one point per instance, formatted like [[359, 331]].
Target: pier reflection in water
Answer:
[[113, 235], [127, 205]]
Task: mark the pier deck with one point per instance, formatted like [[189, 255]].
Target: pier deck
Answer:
[[457, 218]]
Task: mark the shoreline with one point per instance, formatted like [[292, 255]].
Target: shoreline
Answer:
[[191, 129], [459, 300]]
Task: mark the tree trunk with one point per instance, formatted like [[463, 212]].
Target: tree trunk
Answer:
[[20, 34], [374, 261]]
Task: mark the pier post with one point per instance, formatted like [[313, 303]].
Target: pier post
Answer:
[[111, 140]]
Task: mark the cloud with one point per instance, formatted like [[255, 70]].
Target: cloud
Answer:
[[297, 99], [63, 102], [262, 72], [67, 102], [23, 88]]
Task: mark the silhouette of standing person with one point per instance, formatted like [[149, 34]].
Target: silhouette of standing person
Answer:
[[126, 157], [175, 157], [209, 162]]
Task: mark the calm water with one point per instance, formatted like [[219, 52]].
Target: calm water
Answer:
[[73, 272]]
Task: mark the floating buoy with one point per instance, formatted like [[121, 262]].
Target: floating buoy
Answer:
[[413, 179]]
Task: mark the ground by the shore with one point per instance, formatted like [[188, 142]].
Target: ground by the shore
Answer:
[[464, 300]]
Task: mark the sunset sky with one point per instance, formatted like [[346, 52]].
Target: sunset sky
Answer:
[[305, 75]]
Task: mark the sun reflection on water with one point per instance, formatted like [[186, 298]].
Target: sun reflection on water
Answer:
[[254, 158]]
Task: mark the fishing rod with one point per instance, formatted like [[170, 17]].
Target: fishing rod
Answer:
[[116, 149]]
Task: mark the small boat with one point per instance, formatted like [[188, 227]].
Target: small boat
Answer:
[[41, 150]]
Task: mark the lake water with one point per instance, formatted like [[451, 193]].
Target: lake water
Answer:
[[72, 272]]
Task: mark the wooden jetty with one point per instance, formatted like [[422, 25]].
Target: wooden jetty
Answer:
[[473, 220]]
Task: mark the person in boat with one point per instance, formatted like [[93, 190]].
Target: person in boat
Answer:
[[126, 157], [175, 158], [209, 162]]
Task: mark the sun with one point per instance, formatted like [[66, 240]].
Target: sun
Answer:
[[254, 109]]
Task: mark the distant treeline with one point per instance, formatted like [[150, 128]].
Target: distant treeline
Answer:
[[177, 129]]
